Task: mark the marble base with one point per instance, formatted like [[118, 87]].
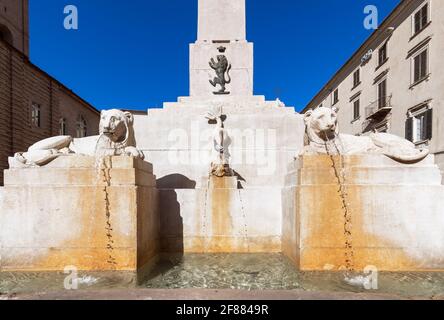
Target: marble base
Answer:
[[395, 209], [71, 213]]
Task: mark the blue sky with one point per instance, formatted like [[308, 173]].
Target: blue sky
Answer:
[[133, 54]]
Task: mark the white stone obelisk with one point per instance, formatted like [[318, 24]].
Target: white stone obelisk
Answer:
[[221, 32]]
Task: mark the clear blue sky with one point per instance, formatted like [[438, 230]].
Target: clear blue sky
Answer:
[[134, 54]]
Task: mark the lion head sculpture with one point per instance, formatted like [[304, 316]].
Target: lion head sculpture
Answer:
[[117, 126], [321, 124], [116, 137]]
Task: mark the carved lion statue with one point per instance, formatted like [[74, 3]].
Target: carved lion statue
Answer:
[[322, 135], [116, 138]]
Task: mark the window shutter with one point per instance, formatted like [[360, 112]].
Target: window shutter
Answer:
[[429, 124], [417, 70], [424, 64], [409, 129], [417, 21], [425, 15]]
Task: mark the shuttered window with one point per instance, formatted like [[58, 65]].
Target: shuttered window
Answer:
[[62, 127], [421, 19], [356, 109], [419, 128], [335, 97], [382, 56], [36, 115], [356, 78], [420, 66], [382, 94]]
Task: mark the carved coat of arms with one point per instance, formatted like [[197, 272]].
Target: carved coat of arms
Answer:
[[222, 67]]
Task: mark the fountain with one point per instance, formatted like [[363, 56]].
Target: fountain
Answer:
[[354, 194], [244, 205], [96, 211]]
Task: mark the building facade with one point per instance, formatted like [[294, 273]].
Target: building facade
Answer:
[[33, 105], [395, 81], [14, 24]]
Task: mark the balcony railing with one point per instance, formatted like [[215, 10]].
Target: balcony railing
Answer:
[[378, 108]]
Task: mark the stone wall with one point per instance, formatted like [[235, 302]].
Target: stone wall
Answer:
[[393, 212], [21, 84], [197, 215], [75, 213]]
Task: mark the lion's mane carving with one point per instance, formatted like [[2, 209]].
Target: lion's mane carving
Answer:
[[116, 139], [322, 133]]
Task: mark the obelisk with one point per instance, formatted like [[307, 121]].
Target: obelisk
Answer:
[[221, 60]]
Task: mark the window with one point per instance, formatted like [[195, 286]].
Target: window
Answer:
[[81, 127], [335, 97], [35, 115], [382, 54], [356, 78], [62, 127], [420, 66], [421, 19], [419, 126], [356, 109], [382, 94], [5, 34]]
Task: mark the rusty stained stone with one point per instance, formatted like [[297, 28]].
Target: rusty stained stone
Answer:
[[133, 236], [216, 230], [89, 250], [322, 226]]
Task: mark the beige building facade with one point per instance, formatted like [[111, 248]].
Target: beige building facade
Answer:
[[394, 82]]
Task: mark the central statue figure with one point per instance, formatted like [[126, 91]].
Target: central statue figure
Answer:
[[220, 165]]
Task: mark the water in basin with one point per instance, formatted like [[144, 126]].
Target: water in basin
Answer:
[[229, 271]]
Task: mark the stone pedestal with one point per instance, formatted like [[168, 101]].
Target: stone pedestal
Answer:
[[239, 55], [397, 221], [72, 213], [218, 217], [221, 31]]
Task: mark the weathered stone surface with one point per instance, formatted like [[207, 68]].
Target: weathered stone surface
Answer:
[[92, 218], [244, 213], [220, 219], [396, 213]]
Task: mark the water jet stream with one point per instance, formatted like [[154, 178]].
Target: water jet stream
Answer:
[[348, 225]]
